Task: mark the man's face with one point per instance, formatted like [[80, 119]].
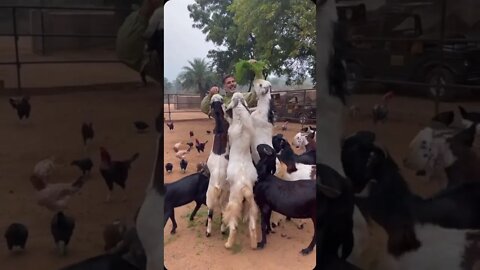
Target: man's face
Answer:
[[230, 84]]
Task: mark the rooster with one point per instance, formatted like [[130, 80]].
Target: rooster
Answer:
[[170, 125], [380, 111], [284, 126], [200, 145], [181, 153], [115, 171], [62, 227], [22, 105], [87, 132], [55, 196]]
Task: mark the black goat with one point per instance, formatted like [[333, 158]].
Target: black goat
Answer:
[[404, 215], [189, 188], [279, 144], [296, 199]]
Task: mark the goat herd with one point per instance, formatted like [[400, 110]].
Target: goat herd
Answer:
[[251, 172]]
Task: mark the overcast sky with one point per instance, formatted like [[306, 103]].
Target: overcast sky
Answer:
[[182, 41]]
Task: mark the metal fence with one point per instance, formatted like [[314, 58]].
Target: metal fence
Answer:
[[15, 34], [293, 105]]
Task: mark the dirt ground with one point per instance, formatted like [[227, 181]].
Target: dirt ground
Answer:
[[190, 249], [54, 129]]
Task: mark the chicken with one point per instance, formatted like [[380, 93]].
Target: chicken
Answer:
[[191, 134], [141, 126], [115, 171], [169, 167], [62, 227], [44, 168], [284, 126], [55, 196], [181, 153], [380, 111], [170, 125], [190, 144], [22, 105], [200, 146], [16, 235], [183, 165], [87, 132], [85, 165]]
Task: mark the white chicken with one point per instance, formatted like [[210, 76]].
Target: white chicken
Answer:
[[44, 168], [181, 153], [55, 196]]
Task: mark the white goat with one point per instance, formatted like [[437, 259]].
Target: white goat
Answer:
[[218, 187], [262, 117], [44, 168], [241, 173], [300, 141]]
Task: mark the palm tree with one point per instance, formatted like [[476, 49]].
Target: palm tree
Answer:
[[198, 76]]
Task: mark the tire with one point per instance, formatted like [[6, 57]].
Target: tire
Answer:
[[443, 77], [303, 118]]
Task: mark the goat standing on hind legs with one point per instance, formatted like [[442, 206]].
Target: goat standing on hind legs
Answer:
[[241, 173], [262, 117], [217, 192]]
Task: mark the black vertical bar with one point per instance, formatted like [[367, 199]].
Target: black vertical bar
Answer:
[[169, 112], [42, 29], [17, 58]]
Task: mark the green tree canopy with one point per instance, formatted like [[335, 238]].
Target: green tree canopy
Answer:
[[281, 32], [197, 76]]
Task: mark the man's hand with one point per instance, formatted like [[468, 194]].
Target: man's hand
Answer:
[[214, 90]]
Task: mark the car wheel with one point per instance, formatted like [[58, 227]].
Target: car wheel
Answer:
[[303, 118], [438, 78]]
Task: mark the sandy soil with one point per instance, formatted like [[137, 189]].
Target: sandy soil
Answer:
[[190, 249], [54, 129]]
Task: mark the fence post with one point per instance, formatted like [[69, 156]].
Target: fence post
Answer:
[[169, 112], [42, 29], [17, 58]]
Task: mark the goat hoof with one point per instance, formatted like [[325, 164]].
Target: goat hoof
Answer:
[[224, 232], [173, 231], [300, 227], [274, 225], [191, 218], [207, 234], [305, 251], [260, 245]]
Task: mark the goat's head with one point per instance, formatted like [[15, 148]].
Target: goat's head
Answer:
[[239, 104], [278, 142], [203, 169], [216, 104], [267, 163], [262, 87], [300, 140]]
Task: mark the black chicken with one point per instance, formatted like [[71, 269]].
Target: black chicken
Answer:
[[87, 132], [170, 125], [22, 105], [16, 236], [200, 145], [114, 171], [141, 126], [183, 165], [169, 167], [85, 165], [190, 144], [62, 227]]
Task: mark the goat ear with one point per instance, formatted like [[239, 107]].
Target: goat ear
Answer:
[[328, 191]]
